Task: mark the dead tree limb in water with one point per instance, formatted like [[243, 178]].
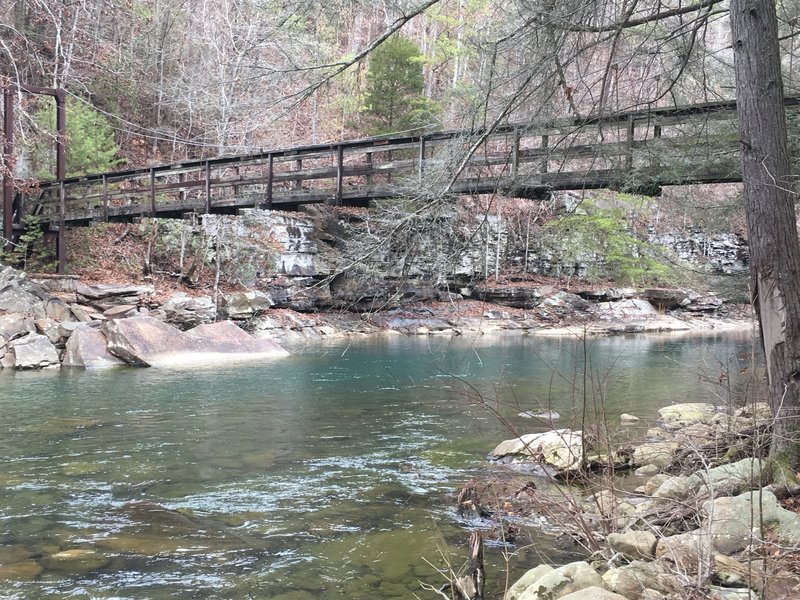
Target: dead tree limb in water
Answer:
[[470, 585]]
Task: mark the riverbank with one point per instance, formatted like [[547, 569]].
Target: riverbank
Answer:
[[693, 510], [53, 321]]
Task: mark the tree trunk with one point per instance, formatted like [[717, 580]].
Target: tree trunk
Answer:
[[769, 206]]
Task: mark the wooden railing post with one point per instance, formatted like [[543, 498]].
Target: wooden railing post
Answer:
[[61, 240], [339, 173], [515, 153], [298, 185], [181, 191], [105, 197], [421, 156], [629, 144], [369, 168], [236, 185], [545, 145], [152, 192], [270, 171], [207, 170]]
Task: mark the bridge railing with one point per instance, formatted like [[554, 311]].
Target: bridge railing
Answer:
[[683, 145]]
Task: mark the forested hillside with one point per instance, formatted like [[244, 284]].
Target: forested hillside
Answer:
[[169, 79]]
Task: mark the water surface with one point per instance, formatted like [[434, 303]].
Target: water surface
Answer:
[[329, 474]]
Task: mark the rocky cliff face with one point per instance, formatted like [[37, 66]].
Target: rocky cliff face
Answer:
[[354, 259]]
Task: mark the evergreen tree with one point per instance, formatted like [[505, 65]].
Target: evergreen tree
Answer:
[[91, 147], [394, 100]]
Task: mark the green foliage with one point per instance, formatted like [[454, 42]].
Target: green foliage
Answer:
[[91, 147], [394, 99], [604, 243], [30, 253]]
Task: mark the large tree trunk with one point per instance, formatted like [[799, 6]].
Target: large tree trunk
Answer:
[[769, 202]]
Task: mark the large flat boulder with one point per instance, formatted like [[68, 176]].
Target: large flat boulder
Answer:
[[86, 349], [147, 342]]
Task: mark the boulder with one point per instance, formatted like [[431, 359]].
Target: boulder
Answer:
[[144, 341], [16, 325], [186, 311], [732, 522], [686, 550], [655, 453], [677, 488], [81, 313], [681, 415], [18, 294], [639, 580], [626, 418], [33, 351], [516, 297], [86, 348], [104, 296], [51, 329], [562, 581], [647, 471], [57, 310], [524, 582], [245, 305], [626, 310], [635, 545], [558, 448], [732, 478]]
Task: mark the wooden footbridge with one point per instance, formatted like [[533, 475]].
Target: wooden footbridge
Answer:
[[636, 151]]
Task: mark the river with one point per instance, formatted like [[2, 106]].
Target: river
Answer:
[[329, 474]]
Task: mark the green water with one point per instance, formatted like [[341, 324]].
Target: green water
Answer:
[[330, 474]]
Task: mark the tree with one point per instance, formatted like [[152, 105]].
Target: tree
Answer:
[[91, 147], [771, 220], [394, 100]]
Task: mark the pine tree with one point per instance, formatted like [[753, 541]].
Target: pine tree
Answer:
[[91, 147], [395, 84]]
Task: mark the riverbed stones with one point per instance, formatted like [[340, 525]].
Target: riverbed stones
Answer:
[[86, 348], [33, 351], [144, 341], [76, 561], [635, 545], [25, 570], [558, 448], [681, 415], [562, 581]]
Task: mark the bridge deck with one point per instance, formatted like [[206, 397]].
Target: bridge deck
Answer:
[[639, 150]]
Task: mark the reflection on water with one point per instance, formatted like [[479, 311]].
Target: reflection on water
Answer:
[[328, 474]]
